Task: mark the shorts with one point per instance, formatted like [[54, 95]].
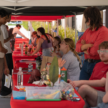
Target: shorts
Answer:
[[100, 95]]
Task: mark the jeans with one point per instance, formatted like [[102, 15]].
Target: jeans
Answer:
[[87, 70]]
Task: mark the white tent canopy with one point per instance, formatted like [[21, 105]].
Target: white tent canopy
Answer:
[[53, 2]]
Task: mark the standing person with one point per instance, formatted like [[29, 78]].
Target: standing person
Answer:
[[45, 42], [90, 41], [16, 31], [6, 91], [73, 61], [3, 63]]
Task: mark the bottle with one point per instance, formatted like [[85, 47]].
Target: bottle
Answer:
[[64, 74], [20, 77], [30, 67], [21, 49], [26, 49]]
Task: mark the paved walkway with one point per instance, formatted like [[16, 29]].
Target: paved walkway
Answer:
[[5, 103]]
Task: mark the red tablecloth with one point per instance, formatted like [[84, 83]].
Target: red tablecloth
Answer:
[[23, 65], [40, 104], [19, 57]]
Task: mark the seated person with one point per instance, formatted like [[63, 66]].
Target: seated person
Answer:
[[93, 89], [104, 104], [71, 58], [56, 46], [35, 38]]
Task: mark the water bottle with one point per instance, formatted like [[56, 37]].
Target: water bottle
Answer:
[[20, 77]]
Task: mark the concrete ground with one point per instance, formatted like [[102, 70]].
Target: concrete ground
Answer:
[[5, 102]]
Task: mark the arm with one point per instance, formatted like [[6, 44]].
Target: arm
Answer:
[[105, 98], [18, 32], [38, 46], [86, 46], [103, 36], [9, 38], [79, 44], [6, 71], [6, 34], [2, 49], [94, 83]]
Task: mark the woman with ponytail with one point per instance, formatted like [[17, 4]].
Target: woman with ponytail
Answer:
[[44, 42], [72, 59]]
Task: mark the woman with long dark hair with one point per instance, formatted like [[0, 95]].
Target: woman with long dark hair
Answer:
[[44, 42]]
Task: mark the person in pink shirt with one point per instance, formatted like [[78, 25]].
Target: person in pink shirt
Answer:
[[89, 42]]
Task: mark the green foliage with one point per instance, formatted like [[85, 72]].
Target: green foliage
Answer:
[[54, 70], [25, 24], [70, 33]]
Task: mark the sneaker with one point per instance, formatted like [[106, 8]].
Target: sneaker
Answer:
[[7, 96]]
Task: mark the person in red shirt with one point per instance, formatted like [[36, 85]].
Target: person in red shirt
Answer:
[[93, 89], [90, 41]]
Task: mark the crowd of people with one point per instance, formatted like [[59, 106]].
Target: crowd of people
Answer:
[[91, 79]]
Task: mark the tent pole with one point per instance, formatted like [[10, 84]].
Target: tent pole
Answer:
[[48, 27], [75, 30], [52, 28], [65, 26], [57, 28]]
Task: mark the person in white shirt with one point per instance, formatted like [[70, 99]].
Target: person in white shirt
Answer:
[[16, 31], [6, 91], [3, 63]]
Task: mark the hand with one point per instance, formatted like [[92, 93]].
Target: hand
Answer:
[[6, 71], [86, 46], [61, 62], [74, 83], [27, 39], [28, 54], [86, 52], [83, 42], [5, 50], [53, 54]]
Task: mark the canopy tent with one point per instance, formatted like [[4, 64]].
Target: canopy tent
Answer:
[[37, 18], [48, 8], [53, 2], [47, 11]]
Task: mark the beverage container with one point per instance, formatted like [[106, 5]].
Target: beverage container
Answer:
[[20, 77], [26, 49], [64, 74], [30, 67], [21, 49]]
